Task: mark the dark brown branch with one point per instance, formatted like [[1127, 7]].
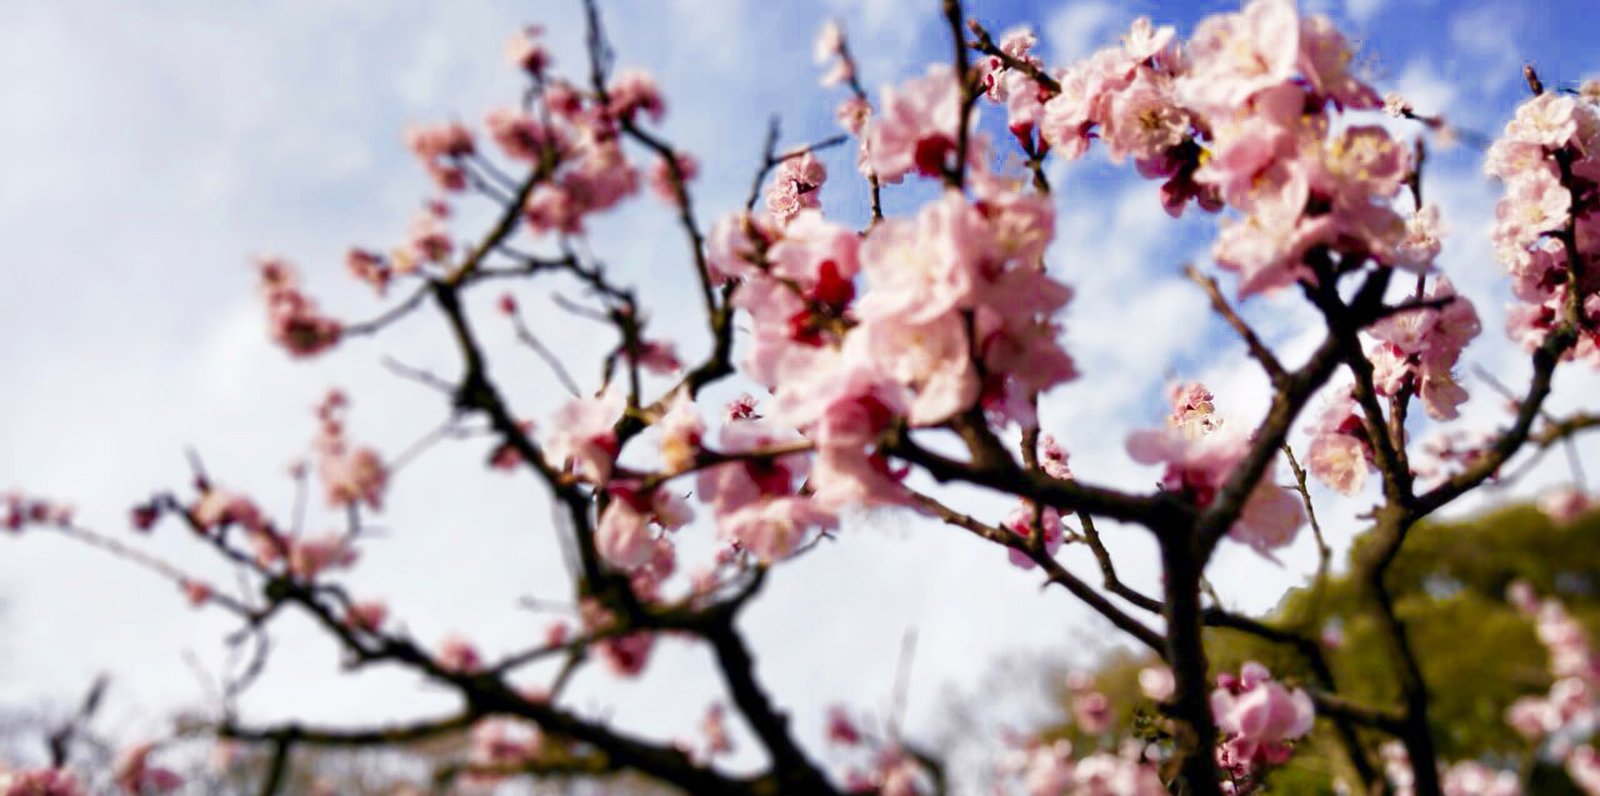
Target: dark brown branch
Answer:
[[794, 772], [1067, 496], [1053, 569], [984, 43], [1219, 303], [371, 736]]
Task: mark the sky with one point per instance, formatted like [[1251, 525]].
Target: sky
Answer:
[[159, 147]]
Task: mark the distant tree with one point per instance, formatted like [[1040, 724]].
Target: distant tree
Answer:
[[1479, 652]]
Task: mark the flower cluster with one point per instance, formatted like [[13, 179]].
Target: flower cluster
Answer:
[[1049, 769], [1340, 454], [583, 436], [501, 745], [581, 149], [796, 186], [293, 319], [625, 655], [350, 475], [1565, 504], [1417, 350], [1572, 706], [1260, 719], [1464, 778], [623, 535], [1022, 521], [1243, 116], [137, 777], [40, 782], [1547, 228], [441, 148], [758, 501], [18, 511], [1200, 451]]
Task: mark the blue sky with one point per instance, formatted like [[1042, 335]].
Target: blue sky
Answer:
[[158, 147]]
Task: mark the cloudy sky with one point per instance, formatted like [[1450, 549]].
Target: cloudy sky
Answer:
[[158, 147]]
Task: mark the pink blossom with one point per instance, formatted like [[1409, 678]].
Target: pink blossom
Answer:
[[1157, 683], [502, 743], [662, 181], [1426, 344], [715, 730], [310, 557], [922, 268], [582, 436], [682, 431], [1533, 717], [1053, 458], [350, 475], [1360, 164], [1583, 765], [1548, 120], [1339, 455], [1271, 518], [196, 591], [1268, 247], [657, 356], [41, 782], [1255, 154], [1091, 710], [1471, 778], [1259, 716], [1200, 453], [1048, 769], [17, 510], [932, 361], [1535, 203], [1340, 461], [1106, 774], [623, 535], [1020, 522], [801, 254], [1325, 59], [458, 656], [439, 146], [1565, 504], [774, 528], [369, 267], [1145, 41], [519, 134], [218, 507], [756, 501], [841, 730], [731, 250], [527, 50], [795, 186], [829, 50], [293, 320], [1422, 241], [634, 90], [137, 777], [852, 114], [624, 655], [366, 616], [1144, 120], [917, 126], [1233, 56]]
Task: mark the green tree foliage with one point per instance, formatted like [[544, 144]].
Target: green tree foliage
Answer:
[[1478, 653]]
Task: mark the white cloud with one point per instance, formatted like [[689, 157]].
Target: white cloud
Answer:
[[1078, 29], [1427, 90], [1487, 36], [1363, 11]]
